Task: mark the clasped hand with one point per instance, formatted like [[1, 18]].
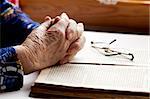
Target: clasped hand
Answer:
[[54, 41]]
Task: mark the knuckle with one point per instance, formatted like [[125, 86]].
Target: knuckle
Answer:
[[77, 46], [56, 29], [70, 30], [62, 21], [55, 33], [72, 21]]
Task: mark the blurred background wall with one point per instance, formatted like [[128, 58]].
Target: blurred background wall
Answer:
[[124, 17]]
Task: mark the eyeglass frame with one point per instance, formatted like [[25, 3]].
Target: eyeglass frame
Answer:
[[109, 51]]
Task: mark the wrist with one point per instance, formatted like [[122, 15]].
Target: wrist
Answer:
[[22, 55]]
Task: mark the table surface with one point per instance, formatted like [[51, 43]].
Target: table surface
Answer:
[[138, 41], [23, 93]]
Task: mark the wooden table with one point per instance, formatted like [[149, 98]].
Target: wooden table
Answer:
[[126, 17]]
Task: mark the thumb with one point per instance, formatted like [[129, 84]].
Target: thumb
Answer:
[[45, 25]]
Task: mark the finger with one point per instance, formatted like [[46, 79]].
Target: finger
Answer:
[[65, 16], [80, 29], [60, 26], [66, 59], [73, 50], [72, 30], [47, 18], [77, 45], [45, 25], [55, 20]]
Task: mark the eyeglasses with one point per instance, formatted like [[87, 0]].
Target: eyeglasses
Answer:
[[107, 51]]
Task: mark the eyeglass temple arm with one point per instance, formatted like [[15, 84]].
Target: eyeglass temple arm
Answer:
[[113, 41], [119, 53], [92, 42]]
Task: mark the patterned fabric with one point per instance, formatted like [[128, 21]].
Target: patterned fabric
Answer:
[[11, 73], [15, 26]]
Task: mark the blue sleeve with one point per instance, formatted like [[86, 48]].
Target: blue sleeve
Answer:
[[15, 27], [11, 72], [15, 24]]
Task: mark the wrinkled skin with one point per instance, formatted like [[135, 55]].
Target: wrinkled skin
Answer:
[[54, 41]]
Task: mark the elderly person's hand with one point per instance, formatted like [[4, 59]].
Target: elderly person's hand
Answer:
[[53, 41], [73, 30]]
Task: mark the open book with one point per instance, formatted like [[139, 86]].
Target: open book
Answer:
[[92, 75]]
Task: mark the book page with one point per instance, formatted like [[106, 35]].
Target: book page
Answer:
[[91, 55], [98, 77], [139, 46], [126, 75]]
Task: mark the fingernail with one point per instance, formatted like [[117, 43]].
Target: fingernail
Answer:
[[70, 51], [56, 19], [47, 18]]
